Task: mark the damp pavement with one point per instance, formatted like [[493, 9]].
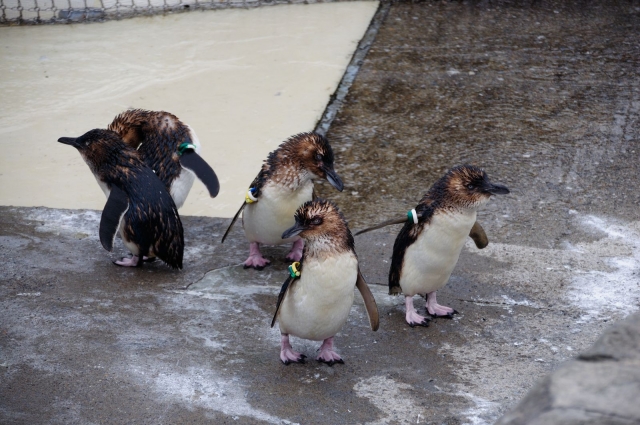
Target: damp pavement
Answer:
[[546, 97]]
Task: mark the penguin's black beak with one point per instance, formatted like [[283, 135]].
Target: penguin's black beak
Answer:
[[334, 179], [495, 189], [293, 231], [73, 141]]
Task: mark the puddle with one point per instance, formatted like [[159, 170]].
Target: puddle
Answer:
[[244, 80]]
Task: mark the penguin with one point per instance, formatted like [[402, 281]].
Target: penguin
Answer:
[[427, 248], [169, 147], [316, 299], [282, 185], [138, 202]]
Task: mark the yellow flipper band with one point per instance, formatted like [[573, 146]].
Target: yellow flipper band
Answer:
[[293, 270], [249, 198]]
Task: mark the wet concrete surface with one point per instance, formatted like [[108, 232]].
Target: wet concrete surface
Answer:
[[545, 97]]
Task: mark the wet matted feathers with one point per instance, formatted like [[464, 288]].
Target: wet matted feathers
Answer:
[[112, 213], [316, 299], [462, 187], [150, 220], [296, 160], [167, 145], [428, 246]]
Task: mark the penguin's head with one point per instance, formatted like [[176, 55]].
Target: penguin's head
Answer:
[[96, 146], [470, 186], [320, 220], [314, 153]]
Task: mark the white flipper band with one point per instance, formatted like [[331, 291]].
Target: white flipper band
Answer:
[[413, 215], [249, 198]]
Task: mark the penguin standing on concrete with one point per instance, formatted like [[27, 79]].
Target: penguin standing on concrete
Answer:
[[427, 248], [283, 184], [150, 225], [169, 147], [315, 300]]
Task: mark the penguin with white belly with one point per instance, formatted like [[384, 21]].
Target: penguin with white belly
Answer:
[[428, 247], [316, 299], [169, 147], [284, 183], [137, 203]]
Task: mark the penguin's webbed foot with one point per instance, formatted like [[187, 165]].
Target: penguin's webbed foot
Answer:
[[149, 259], [296, 251], [330, 358], [411, 316], [134, 261], [327, 355], [443, 312], [414, 319], [255, 260], [437, 310], [287, 355]]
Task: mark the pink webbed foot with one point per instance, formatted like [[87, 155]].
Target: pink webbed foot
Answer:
[[149, 259], [437, 310], [255, 260], [133, 261], [296, 251], [327, 355], [287, 355], [412, 317]]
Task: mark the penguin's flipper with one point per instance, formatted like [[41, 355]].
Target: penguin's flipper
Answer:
[[233, 220], [194, 162], [381, 225], [479, 236], [115, 208], [369, 302], [283, 291]]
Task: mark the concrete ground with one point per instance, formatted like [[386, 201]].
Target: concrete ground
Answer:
[[546, 97]]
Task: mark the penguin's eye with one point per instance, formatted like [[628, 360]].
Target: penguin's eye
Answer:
[[470, 186], [316, 221], [319, 157]]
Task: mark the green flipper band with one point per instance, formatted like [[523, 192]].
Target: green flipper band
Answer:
[[413, 216], [183, 147], [293, 270]]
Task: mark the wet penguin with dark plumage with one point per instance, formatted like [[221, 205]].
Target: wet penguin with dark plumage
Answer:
[[316, 299], [428, 247], [283, 184], [138, 201], [169, 147]]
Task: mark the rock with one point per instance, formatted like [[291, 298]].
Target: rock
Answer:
[[601, 386]]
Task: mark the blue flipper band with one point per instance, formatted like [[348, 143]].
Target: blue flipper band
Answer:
[[249, 198]]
